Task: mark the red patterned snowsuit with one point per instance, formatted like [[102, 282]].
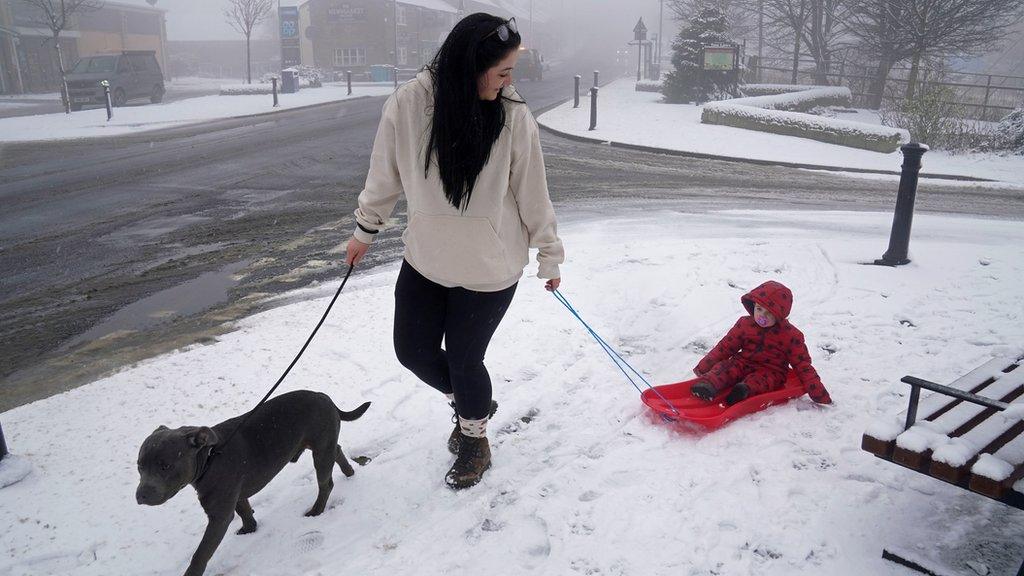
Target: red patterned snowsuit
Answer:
[[761, 356]]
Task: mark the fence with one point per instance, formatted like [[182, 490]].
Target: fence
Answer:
[[985, 96]]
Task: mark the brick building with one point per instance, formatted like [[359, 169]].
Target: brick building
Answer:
[[28, 60], [356, 34]]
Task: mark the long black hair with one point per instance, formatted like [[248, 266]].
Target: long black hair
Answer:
[[464, 127]]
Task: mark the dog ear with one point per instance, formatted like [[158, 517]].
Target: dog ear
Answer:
[[202, 436], [161, 428]]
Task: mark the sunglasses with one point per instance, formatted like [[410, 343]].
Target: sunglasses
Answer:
[[504, 30]]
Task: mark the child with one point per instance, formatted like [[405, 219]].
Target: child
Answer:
[[755, 355]]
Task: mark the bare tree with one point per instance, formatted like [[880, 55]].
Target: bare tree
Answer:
[[942, 28], [878, 26], [822, 34], [57, 15], [740, 15], [244, 16], [791, 16], [896, 30]]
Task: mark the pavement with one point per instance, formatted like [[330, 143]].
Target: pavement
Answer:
[[119, 250]]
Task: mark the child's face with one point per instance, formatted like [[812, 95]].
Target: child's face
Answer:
[[763, 317]]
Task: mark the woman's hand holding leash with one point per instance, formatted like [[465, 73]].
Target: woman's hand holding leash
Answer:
[[552, 284], [355, 251]]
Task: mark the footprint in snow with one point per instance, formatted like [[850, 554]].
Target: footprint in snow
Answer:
[[309, 542]]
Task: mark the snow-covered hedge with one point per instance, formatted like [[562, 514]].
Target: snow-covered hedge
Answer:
[[1010, 132], [249, 89], [768, 89], [649, 86], [782, 114]]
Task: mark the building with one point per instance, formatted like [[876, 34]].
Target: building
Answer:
[[353, 35], [28, 58]]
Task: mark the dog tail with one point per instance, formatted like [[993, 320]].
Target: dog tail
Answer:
[[355, 414]]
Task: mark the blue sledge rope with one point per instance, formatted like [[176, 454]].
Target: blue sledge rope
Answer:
[[617, 359]]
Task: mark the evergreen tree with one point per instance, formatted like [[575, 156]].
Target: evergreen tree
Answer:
[[689, 82]]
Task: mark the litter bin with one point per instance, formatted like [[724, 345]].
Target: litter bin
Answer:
[[380, 73], [289, 82]]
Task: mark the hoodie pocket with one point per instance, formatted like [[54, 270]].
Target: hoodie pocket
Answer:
[[463, 250]]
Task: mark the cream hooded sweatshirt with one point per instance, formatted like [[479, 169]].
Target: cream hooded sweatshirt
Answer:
[[486, 247]]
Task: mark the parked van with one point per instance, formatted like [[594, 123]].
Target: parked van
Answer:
[[530, 65], [132, 74]]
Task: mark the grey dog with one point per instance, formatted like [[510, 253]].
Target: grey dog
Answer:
[[226, 475]]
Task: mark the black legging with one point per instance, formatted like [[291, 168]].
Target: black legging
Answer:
[[426, 311]]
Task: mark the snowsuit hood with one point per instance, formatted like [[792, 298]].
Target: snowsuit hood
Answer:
[[772, 296]]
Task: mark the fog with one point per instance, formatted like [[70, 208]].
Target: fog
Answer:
[[596, 27]]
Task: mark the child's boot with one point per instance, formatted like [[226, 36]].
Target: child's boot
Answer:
[[703, 390], [739, 393]]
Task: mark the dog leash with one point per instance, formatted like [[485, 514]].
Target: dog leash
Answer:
[[287, 370]]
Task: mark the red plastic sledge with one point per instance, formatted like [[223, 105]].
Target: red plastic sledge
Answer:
[[714, 414]]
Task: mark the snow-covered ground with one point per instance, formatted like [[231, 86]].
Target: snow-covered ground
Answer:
[[130, 119], [640, 118], [591, 483]]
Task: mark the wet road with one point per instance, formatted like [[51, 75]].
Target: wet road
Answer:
[[113, 252]]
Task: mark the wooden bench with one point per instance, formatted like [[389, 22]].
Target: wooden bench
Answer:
[[964, 438]]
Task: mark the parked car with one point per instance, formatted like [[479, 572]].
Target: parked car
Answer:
[[530, 65], [132, 74]]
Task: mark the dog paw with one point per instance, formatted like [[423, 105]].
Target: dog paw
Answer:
[[246, 530]]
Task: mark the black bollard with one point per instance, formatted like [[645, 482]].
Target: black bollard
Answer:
[[106, 95], [273, 86], [596, 76], [348, 78], [3, 444], [899, 238], [593, 108], [576, 97]]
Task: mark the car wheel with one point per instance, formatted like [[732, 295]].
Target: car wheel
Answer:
[[120, 98], [157, 96]]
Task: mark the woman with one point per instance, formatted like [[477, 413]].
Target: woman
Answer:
[[465, 150]]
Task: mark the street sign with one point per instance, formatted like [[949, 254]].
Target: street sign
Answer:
[[640, 31]]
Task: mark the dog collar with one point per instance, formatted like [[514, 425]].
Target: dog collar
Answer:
[[202, 463]]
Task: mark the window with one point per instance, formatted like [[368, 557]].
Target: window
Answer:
[[349, 56], [143, 62], [403, 55], [401, 15]]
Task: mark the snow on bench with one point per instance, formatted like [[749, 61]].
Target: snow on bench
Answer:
[[979, 447]]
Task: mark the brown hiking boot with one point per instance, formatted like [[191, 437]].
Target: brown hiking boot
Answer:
[[474, 459], [456, 437]]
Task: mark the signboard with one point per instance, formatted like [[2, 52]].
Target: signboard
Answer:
[[288, 16], [345, 13], [291, 55], [640, 31], [720, 58]]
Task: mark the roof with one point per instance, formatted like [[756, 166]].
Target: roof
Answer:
[[133, 4], [438, 5]]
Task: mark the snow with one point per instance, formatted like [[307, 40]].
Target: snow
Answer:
[[437, 5], [592, 483], [787, 100], [640, 118], [13, 469], [92, 122], [991, 467]]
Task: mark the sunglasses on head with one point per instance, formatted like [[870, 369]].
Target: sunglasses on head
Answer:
[[504, 30]]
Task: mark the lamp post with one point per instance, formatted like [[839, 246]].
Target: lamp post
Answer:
[[395, 18], [661, 17]]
